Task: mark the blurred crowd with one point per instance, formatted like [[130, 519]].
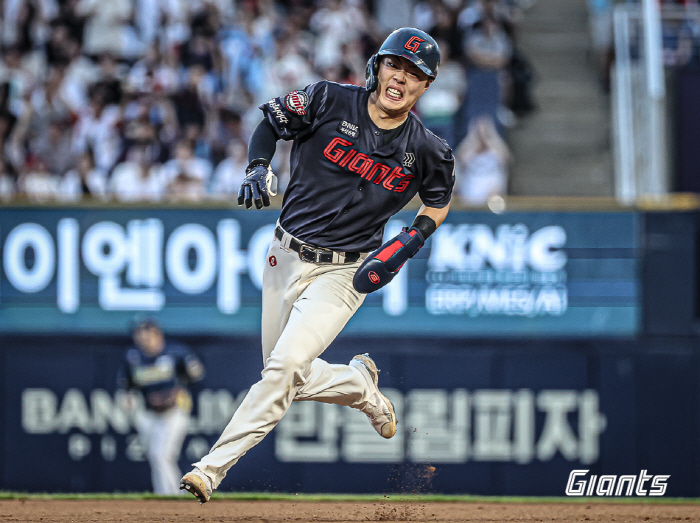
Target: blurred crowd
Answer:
[[154, 100]]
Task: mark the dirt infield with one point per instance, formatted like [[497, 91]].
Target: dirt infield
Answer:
[[216, 511]]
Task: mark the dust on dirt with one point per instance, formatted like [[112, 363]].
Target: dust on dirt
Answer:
[[224, 511]]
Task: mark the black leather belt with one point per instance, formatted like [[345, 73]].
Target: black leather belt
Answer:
[[311, 254]]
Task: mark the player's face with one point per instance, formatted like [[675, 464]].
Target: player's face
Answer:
[[401, 83], [150, 340]]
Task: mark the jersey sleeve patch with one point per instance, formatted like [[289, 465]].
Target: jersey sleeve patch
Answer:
[[296, 113], [296, 102]]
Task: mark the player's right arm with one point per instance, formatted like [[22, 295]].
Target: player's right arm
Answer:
[[260, 182], [380, 267], [286, 118], [126, 384]]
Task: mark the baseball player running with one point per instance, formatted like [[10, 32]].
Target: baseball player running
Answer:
[[359, 155]]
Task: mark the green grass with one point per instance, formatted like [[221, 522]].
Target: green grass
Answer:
[[361, 498]]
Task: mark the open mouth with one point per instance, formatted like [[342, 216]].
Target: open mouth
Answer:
[[394, 94]]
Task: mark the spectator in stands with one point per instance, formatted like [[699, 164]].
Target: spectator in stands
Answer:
[[229, 174], [110, 79], [488, 50], [289, 69], [185, 163], [245, 46], [600, 21], [482, 163], [677, 39], [107, 28], [48, 102], [85, 181], [226, 126], [335, 24], [53, 145], [149, 14], [78, 76], [192, 100], [97, 129], [476, 11], [138, 178], [8, 124], [186, 187], [128, 76], [439, 105], [440, 20], [36, 182], [8, 185], [20, 79]]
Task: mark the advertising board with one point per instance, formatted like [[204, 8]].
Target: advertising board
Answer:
[[200, 271]]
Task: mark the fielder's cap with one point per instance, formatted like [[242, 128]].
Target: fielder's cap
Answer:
[[145, 323]]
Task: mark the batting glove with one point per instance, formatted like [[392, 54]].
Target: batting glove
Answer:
[[258, 185], [380, 267]]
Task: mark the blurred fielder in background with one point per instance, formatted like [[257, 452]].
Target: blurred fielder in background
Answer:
[[161, 371]]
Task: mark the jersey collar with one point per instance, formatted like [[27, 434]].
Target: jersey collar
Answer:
[[397, 143]]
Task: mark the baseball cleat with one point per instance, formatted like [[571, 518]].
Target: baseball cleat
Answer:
[[378, 408], [198, 484]]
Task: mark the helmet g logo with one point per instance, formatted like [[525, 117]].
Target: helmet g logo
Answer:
[[413, 43]]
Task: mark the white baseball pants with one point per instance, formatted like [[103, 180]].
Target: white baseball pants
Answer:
[[304, 307], [162, 435]]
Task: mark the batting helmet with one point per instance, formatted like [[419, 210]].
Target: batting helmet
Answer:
[[413, 44]]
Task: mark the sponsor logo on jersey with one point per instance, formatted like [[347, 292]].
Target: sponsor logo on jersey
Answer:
[[408, 159], [413, 43], [273, 261], [340, 152], [277, 111], [373, 277], [349, 129], [296, 102]]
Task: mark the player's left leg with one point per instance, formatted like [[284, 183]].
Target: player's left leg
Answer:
[[145, 422], [286, 279], [354, 385], [316, 318], [164, 451]]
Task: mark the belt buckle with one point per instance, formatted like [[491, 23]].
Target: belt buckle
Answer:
[[316, 252]]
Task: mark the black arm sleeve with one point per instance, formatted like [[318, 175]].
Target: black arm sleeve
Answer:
[[425, 224], [263, 142]]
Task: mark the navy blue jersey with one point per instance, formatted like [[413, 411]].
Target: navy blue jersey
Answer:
[[345, 183], [160, 378]]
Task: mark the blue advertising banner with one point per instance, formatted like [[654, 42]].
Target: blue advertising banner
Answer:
[[79, 270], [492, 418]]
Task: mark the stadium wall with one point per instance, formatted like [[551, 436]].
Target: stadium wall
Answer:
[[507, 408]]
